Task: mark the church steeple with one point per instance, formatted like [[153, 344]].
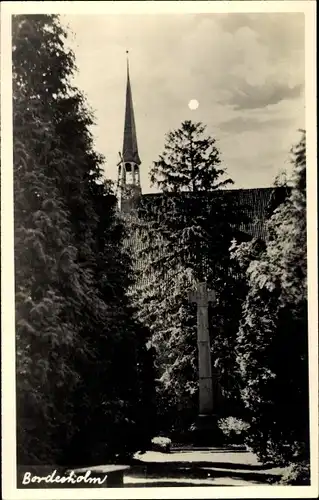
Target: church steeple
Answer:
[[130, 149], [129, 189]]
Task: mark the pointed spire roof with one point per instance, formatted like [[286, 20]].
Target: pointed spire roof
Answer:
[[130, 150]]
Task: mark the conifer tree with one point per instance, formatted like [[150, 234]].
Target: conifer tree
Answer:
[[186, 235], [190, 162], [272, 341], [74, 326]]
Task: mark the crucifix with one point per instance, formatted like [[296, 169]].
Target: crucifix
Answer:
[[202, 297]]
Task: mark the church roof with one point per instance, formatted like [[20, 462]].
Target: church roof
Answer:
[[130, 149], [256, 204]]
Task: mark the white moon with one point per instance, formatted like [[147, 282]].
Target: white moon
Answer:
[[193, 104]]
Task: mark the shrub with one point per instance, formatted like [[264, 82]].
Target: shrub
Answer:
[[297, 474], [234, 429], [161, 443]]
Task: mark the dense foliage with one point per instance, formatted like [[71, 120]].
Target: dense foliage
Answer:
[[272, 340], [82, 364], [186, 235]]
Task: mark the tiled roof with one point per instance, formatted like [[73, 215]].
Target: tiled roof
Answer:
[[256, 203]]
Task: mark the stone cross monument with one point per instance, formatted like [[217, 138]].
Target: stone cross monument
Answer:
[[207, 421]]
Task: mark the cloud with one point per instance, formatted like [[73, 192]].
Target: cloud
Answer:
[[246, 71], [276, 30], [259, 96], [240, 66], [242, 124]]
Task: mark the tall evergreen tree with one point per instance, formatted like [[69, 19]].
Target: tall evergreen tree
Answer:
[[186, 236], [74, 326], [190, 162], [273, 339]]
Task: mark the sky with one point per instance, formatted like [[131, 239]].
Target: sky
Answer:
[[245, 70]]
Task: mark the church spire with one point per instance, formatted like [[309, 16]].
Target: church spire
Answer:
[[129, 185], [130, 150]]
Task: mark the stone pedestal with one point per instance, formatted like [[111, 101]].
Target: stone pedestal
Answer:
[[205, 431]]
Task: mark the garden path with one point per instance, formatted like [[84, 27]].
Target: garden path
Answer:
[[200, 467]]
